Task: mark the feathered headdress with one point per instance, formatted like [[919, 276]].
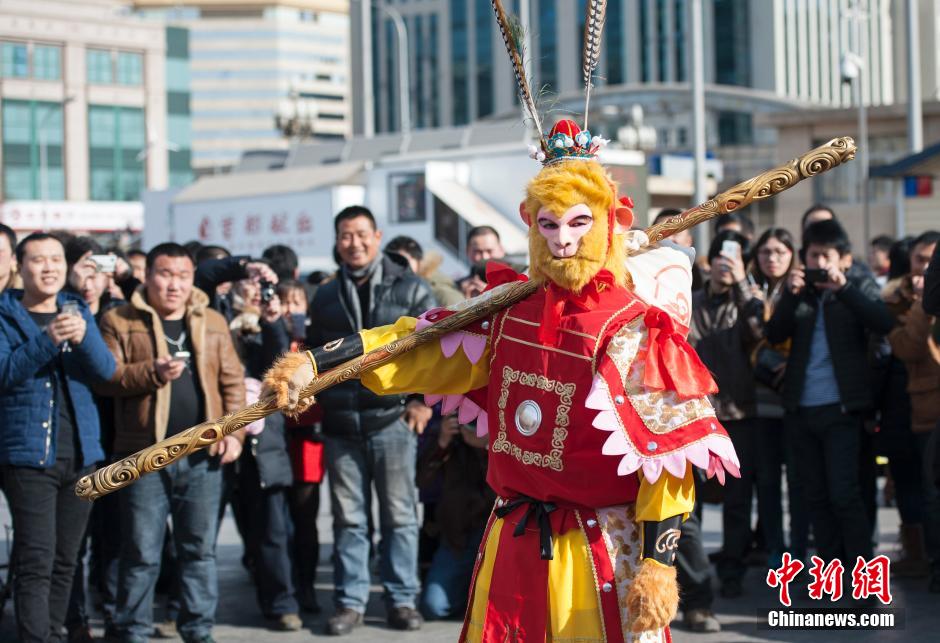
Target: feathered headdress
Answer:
[[565, 141]]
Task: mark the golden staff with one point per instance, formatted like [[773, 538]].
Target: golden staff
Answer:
[[124, 472]]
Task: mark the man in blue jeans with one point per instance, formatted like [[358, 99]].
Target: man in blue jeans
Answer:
[[176, 367], [369, 439], [50, 355]]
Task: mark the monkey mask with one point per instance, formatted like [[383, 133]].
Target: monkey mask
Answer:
[[575, 219]]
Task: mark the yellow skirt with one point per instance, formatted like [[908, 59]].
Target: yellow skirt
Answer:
[[578, 595]]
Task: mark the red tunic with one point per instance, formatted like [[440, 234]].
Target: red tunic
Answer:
[[543, 444]]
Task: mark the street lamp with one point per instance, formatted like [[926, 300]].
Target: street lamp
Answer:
[[404, 82], [852, 70]]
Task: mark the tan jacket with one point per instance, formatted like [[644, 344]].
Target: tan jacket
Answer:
[[134, 334], [909, 342]]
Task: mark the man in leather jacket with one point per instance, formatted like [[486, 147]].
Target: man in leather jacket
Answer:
[[369, 438]]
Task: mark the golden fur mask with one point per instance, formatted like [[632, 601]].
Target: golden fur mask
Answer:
[[558, 188]]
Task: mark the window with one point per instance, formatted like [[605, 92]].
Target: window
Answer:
[[662, 41], [181, 173], [614, 42], [392, 95], [47, 62], [735, 128], [681, 39], [99, 67], [460, 63], [15, 60], [433, 104], [484, 56], [645, 63], [548, 48], [116, 137], [130, 68], [32, 150], [178, 130], [408, 192], [417, 75], [732, 59], [450, 229]]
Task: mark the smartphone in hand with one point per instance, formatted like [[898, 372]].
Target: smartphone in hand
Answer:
[[105, 263], [71, 308], [731, 249], [181, 356]]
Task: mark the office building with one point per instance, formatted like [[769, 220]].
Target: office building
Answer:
[[783, 50], [83, 105], [252, 61]]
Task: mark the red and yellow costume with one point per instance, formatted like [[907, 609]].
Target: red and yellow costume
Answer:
[[582, 448], [595, 406]]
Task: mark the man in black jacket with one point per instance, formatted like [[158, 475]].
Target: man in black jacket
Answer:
[[369, 439], [828, 313]]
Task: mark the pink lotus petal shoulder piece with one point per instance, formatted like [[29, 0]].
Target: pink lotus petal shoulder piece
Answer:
[[473, 346], [483, 424]]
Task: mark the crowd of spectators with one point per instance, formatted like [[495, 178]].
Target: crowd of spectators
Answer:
[[823, 362]]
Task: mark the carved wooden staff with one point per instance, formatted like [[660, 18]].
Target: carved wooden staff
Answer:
[[126, 471]]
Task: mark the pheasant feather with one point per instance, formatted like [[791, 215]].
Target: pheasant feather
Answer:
[[512, 33], [595, 14]]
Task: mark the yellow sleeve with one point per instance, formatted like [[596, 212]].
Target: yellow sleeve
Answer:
[[422, 370], [669, 496]]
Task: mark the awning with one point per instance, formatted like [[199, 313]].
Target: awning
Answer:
[[270, 182], [923, 163], [477, 212]]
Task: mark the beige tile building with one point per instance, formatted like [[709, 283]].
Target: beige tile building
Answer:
[[252, 60], [82, 113]]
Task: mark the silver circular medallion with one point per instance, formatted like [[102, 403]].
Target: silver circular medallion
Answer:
[[528, 418]]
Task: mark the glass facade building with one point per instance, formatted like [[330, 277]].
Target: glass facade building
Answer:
[[116, 138], [460, 61], [28, 60], [178, 110], [32, 150]]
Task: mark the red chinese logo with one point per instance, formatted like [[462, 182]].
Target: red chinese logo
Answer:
[[869, 579], [826, 579], [872, 579], [228, 224], [784, 575], [252, 224]]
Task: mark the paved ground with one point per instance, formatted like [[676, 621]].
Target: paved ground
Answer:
[[240, 621]]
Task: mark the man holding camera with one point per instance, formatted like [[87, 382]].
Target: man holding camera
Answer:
[[176, 367], [829, 313]]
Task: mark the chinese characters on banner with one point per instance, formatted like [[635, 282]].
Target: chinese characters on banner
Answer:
[[251, 232], [869, 579]]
